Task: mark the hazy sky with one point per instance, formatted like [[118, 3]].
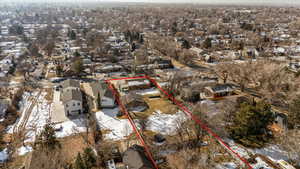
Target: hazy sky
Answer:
[[291, 2]]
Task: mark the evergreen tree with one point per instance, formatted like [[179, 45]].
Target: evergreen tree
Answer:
[[47, 138], [77, 67], [79, 163], [250, 124], [16, 30], [89, 158], [207, 43], [141, 39], [186, 44], [133, 47], [98, 101], [72, 34]]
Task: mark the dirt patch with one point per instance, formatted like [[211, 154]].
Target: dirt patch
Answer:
[[58, 158], [16, 162], [73, 144], [157, 104]]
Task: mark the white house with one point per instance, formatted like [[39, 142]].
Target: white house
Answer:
[[71, 97]]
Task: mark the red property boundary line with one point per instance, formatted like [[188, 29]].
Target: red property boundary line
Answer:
[[184, 109], [123, 109]]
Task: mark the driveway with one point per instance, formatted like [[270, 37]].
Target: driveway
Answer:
[[57, 113]]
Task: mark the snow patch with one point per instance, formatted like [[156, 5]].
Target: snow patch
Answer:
[[119, 128], [38, 118], [24, 150], [4, 155], [71, 127], [261, 164], [165, 123], [229, 165], [273, 151]]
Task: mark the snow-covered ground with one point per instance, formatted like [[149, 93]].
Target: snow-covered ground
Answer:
[[24, 150], [260, 164], [272, 151], [71, 127], [241, 151], [229, 165], [118, 128], [4, 155], [38, 118], [24, 104], [165, 123]]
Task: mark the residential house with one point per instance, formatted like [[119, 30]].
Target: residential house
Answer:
[[134, 102], [135, 158], [100, 96], [217, 91], [71, 97], [134, 84]]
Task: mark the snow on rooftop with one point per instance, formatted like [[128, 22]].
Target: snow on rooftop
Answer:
[[165, 123], [148, 91], [137, 83], [24, 150], [119, 128]]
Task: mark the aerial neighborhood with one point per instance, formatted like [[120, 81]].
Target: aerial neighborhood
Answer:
[[89, 85]]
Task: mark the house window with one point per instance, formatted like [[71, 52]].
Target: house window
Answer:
[[73, 104], [67, 105], [78, 104]]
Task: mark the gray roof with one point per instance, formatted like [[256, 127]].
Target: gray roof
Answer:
[[135, 158], [102, 88], [70, 83], [96, 88], [71, 94]]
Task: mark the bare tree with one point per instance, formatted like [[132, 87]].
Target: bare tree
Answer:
[[290, 142]]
